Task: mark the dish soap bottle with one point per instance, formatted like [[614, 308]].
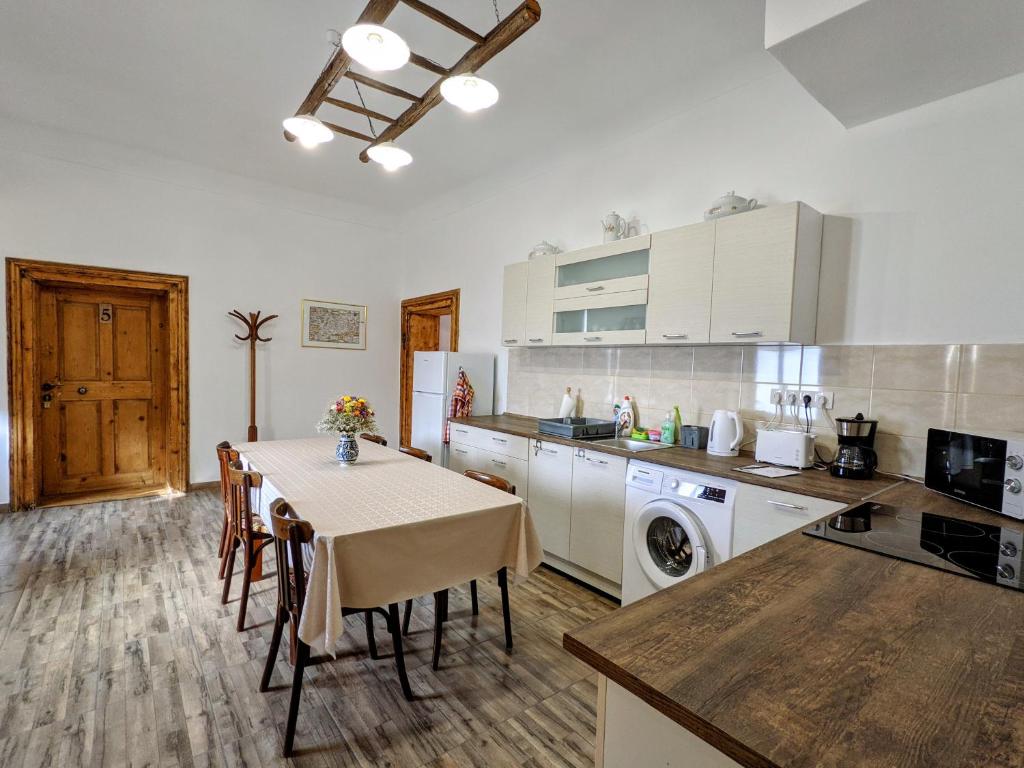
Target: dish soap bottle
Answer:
[[668, 429], [626, 417]]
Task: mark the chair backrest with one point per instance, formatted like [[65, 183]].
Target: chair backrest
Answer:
[[240, 484], [290, 534], [495, 481], [225, 455], [416, 453], [378, 439]]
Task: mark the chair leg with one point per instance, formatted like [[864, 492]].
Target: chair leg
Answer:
[[506, 613], [293, 708], [407, 618], [275, 646], [247, 567], [396, 638], [371, 641], [222, 551], [229, 571], [472, 595], [440, 609]]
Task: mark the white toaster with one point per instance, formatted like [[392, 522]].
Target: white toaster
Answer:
[[787, 447]]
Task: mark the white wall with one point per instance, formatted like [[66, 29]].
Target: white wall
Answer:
[[927, 249], [242, 244]]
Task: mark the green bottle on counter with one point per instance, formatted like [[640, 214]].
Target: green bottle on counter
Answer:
[[668, 429]]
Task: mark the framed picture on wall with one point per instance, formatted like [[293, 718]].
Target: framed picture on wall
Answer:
[[333, 325]]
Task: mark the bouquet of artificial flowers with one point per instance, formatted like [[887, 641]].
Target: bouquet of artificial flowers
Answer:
[[348, 415]]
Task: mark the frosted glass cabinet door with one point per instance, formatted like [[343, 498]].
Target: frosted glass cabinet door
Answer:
[[540, 296], [679, 292], [513, 304]]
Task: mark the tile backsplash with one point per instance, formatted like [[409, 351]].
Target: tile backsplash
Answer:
[[971, 387]]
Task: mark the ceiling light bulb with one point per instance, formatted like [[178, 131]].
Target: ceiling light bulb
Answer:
[[389, 155], [469, 92], [375, 47], [308, 130]]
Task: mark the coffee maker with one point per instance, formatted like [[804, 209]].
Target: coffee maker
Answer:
[[856, 457]]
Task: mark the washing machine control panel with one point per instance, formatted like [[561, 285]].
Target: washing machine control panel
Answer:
[[695, 491]]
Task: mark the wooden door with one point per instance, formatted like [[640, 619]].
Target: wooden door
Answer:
[[679, 292], [421, 327], [102, 386]]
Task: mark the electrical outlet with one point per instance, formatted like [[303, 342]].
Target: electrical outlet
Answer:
[[776, 398], [821, 400], [790, 397]]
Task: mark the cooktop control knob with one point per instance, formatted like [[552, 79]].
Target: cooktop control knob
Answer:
[[1013, 485], [1015, 462], [1005, 571], [1008, 549]]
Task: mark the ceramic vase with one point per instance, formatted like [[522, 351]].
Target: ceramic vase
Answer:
[[347, 451]]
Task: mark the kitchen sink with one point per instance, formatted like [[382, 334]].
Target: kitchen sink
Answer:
[[625, 444]]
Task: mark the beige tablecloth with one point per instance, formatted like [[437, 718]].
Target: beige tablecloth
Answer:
[[389, 527]]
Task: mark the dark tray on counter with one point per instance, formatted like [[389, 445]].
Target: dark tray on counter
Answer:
[[577, 429]]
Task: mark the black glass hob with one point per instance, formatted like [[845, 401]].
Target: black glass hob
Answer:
[[991, 553]]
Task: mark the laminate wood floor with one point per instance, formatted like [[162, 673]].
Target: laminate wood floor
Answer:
[[115, 650]]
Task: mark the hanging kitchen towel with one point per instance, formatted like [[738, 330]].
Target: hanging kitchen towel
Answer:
[[462, 402]]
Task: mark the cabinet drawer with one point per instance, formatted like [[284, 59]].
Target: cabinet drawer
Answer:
[[498, 442], [763, 514], [516, 471], [461, 457]]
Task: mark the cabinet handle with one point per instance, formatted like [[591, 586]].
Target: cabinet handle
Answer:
[[499, 463], [595, 461], [787, 505], [596, 288], [460, 450], [747, 334], [499, 440], [536, 341], [674, 336], [510, 341], [548, 451], [591, 338]]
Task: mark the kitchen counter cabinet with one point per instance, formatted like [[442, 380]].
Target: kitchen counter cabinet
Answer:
[[808, 653], [598, 509], [551, 495]]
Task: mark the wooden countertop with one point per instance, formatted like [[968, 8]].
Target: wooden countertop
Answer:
[[810, 482], [804, 652]]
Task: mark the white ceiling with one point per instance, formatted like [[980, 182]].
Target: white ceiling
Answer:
[[209, 81]]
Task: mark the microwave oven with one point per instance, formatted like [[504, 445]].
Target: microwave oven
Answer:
[[981, 470]]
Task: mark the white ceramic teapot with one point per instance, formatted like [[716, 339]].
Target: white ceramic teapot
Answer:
[[543, 248], [614, 226], [729, 204]]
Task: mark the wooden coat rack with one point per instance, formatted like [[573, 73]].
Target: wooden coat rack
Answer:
[[485, 47], [252, 324]]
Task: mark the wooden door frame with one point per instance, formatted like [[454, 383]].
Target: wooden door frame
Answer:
[[25, 277], [444, 303]]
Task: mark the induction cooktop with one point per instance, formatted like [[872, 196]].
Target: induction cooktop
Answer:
[[990, 553]]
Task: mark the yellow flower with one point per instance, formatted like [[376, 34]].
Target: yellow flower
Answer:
[[346, 398]]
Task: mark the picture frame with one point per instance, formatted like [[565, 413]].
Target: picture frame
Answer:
[[332, 325]]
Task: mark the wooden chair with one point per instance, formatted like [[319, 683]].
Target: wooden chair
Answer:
[[441, 597], [247, 532], [417, 453], [378, 439], [290, 535], [225, 455]]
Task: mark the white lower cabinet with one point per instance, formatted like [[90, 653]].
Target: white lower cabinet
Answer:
[[598, 511], [461, 457], [551, 495], [763, 514], [513, 469]]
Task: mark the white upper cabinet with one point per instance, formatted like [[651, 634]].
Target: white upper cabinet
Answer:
[[540, 296], [610, 268], [513, 304], [679, 292], [766, 275]]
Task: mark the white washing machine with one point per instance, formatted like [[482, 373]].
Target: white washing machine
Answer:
[[677, 524]]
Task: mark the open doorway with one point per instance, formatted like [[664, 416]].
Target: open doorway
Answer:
[[429, 323]]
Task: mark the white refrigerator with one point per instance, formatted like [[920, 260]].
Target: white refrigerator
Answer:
[[433, 378]]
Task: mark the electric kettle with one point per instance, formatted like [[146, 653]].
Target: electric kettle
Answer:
[[726, 434]]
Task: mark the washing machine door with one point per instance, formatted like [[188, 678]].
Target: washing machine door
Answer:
[[669, 543]]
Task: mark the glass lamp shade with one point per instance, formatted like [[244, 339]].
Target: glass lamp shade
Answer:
[[375, 47], [469, 92], [389, 155], [308, 130]]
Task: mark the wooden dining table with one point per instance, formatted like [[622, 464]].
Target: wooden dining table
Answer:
[[387, 528]]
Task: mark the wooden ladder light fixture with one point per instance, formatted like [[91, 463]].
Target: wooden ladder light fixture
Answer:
[[485, 47]]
